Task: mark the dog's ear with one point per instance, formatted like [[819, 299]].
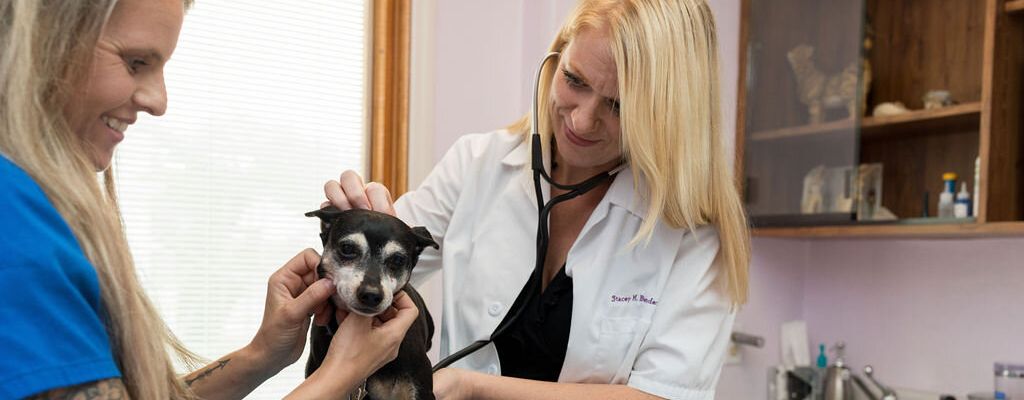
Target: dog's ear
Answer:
[[423, 238], [327, 216]]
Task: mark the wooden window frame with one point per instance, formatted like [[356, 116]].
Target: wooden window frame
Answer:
[[389, 104]]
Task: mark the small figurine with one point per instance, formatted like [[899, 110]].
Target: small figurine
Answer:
[[819, 92], [889, 108], [937, 99]]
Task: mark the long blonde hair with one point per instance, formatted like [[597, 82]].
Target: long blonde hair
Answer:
[[46, 49], [666, 53]]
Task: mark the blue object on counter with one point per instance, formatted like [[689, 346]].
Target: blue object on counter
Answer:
[[822, 360]]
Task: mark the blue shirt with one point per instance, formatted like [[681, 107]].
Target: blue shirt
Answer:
[[52, 333]]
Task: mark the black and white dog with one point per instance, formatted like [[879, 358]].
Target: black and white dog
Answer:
[[369, 256]]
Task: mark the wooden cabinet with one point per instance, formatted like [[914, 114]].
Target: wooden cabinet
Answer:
[[795, 113]]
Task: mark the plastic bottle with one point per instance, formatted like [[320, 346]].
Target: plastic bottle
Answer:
[[822, 360], [946, 197], [977, 178], [962, 206]]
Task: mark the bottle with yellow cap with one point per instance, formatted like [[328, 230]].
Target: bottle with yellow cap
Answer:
[[946, 197]]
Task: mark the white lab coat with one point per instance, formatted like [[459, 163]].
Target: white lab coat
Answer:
[[649, 316]]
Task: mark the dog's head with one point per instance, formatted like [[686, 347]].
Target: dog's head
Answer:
[[368, 255]]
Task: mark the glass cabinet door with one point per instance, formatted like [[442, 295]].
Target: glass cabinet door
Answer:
[[803, 103]]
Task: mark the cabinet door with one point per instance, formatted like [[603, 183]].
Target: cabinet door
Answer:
[[802, 91]]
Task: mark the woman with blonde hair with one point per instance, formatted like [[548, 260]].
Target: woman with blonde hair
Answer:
[[639, 266], [73, 76]]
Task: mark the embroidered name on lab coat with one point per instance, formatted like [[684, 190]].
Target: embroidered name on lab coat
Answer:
[[636, 298]]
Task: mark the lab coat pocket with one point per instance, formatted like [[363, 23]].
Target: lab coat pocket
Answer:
[[618, 343]]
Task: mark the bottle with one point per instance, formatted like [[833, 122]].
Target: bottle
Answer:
[[977, 178], [962, 205], [822, 360], [946, 197]]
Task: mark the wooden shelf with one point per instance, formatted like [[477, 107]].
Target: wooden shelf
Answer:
[[968, 230], [1014, 6], [963, 116], [960, 116], [804, 130]]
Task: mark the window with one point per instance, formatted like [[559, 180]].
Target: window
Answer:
[[266, 102]]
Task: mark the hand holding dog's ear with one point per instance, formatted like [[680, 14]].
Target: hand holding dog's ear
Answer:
[[350, 192], [293, 294]]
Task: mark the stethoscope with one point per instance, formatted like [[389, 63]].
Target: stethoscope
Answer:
[[573, 191]]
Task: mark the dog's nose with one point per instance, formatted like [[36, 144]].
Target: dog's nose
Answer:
[[370, 297]]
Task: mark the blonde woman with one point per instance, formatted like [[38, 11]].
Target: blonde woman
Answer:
[[632, 292], [73, 76]]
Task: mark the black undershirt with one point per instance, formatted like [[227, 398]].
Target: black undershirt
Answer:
[[533, 347]]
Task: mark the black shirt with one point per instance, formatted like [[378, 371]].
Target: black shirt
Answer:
[[533, 347]]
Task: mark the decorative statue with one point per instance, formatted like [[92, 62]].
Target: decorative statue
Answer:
[[819, 92]]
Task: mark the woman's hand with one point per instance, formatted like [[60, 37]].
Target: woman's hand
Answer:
[[367, 343], [360, 347], [350, 192], [293, 295], [453, 384]]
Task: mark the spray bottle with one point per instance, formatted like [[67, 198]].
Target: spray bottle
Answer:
[[962, 206], [946, 197]]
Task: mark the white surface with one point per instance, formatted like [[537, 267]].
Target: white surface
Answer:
[[795, 350]]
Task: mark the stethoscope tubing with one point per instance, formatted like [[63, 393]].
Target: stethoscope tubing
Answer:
[[544, 211]]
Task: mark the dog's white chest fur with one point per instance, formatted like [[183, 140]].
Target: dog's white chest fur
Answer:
[[402, 389]]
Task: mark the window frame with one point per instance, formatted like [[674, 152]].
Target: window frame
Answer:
[[389, 91]]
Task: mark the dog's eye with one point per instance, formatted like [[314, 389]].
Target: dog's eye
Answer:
[[348, 250], [397, 260]]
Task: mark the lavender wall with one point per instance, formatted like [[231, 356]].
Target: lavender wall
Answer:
[[478, 66], [776, 296], [929, 314]]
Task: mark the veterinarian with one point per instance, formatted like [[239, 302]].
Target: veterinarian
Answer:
[[627, 284], [73, 76]]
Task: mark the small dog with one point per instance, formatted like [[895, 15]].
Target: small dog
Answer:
[[369, 256]]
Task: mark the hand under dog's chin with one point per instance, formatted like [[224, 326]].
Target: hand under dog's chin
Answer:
[[341, 304]]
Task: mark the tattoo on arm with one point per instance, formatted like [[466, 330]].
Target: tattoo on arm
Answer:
[[204, 374], [108, 389]]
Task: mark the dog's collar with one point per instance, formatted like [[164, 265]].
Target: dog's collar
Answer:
[[360, 392]]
